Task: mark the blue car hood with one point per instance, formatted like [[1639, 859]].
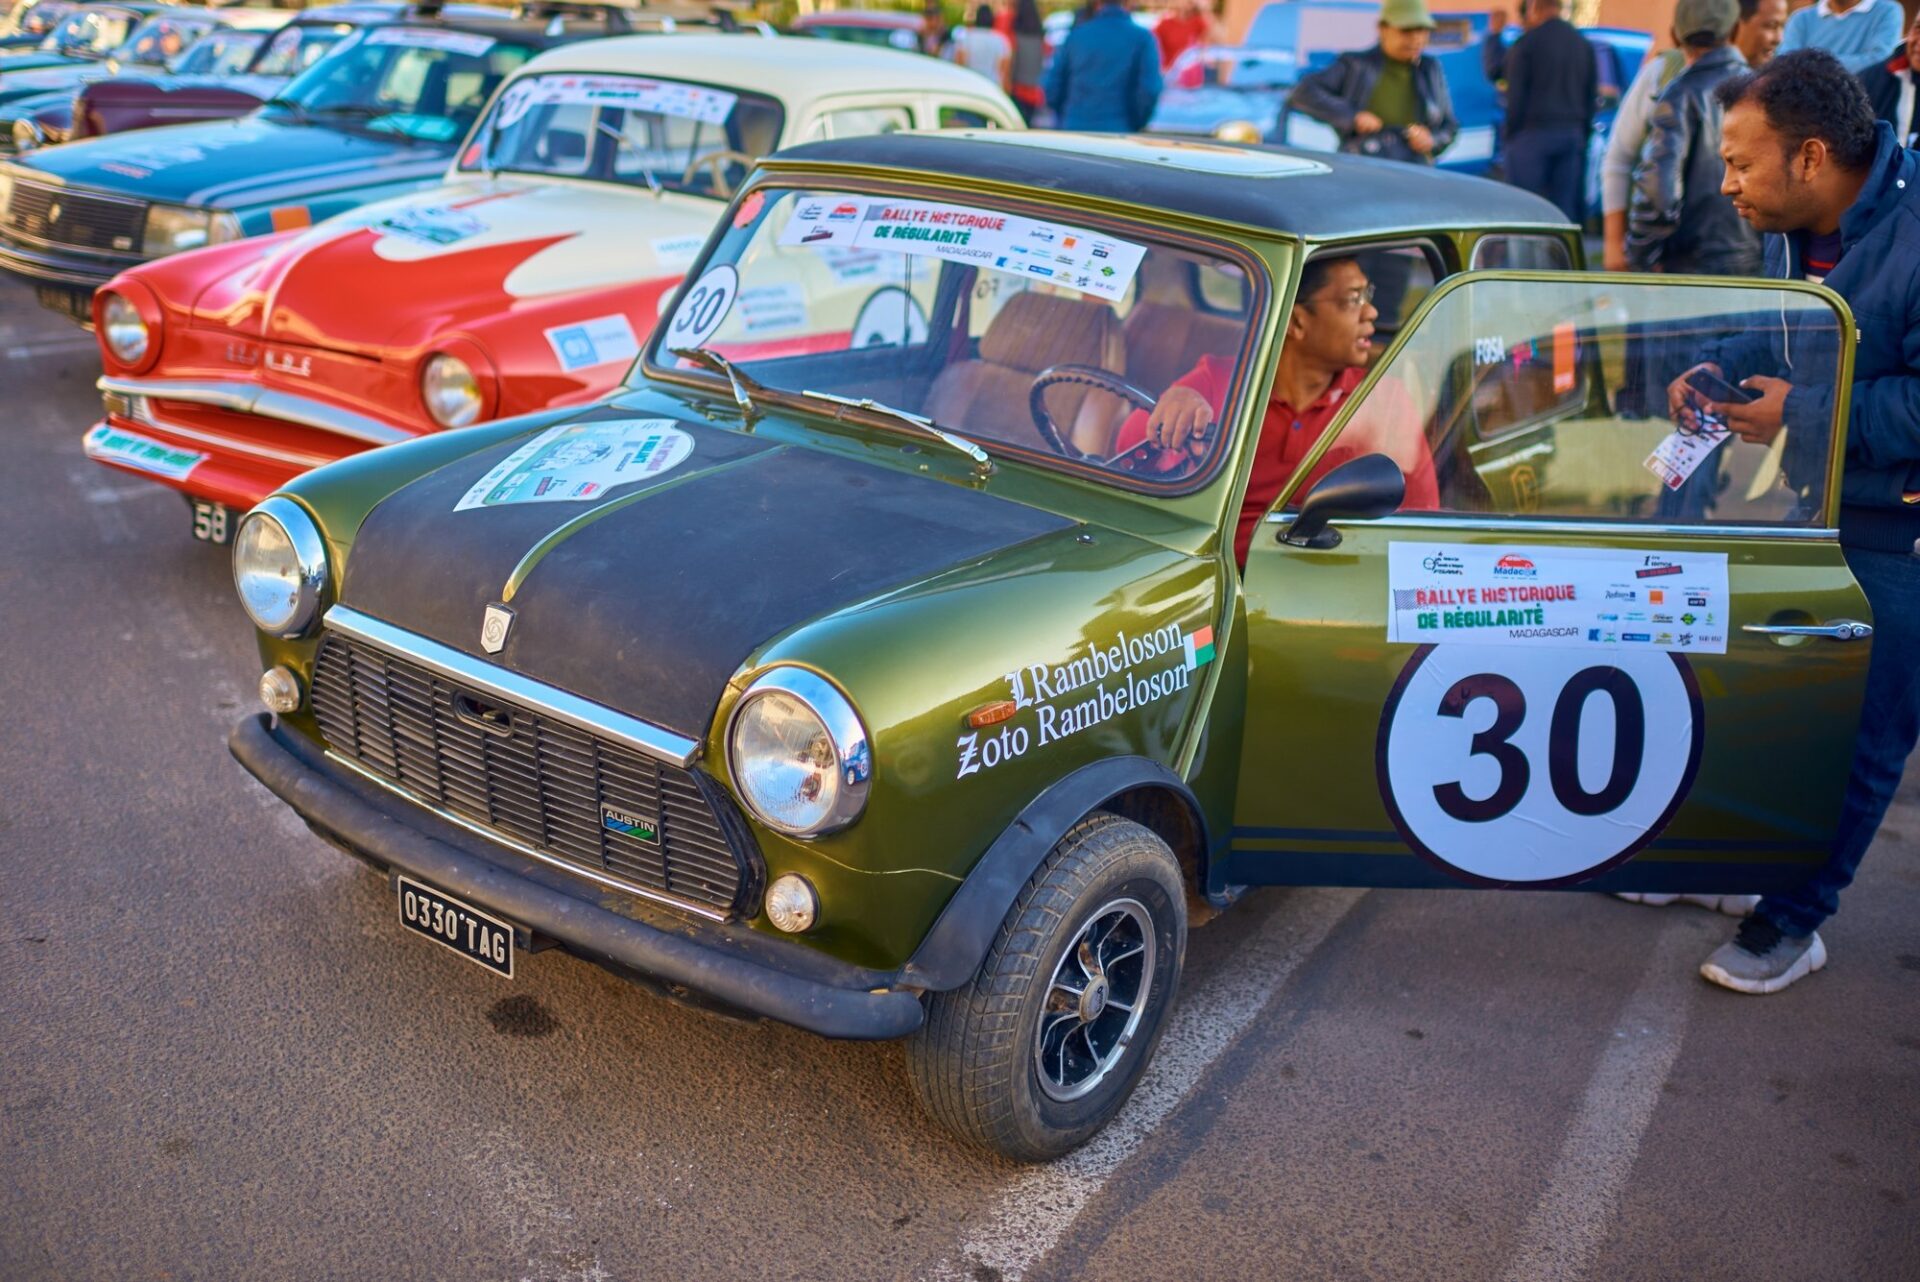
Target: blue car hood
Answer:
[[65, 78], [33, 59], [239, 164]]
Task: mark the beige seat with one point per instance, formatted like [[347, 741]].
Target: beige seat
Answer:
[[987, 397], [1164, 342]]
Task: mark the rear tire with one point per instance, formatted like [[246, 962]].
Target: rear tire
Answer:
[[1044, 1045]]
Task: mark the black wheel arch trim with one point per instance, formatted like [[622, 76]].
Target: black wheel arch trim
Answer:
[[960, 937]]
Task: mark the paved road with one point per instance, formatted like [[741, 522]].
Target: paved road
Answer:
[[222, 1058]]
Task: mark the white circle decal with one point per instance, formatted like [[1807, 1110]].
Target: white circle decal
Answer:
[[891, 317], [705, 305], [1537, 767]]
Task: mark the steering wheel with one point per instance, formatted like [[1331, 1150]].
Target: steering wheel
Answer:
[[1084, 376], [712, 160]]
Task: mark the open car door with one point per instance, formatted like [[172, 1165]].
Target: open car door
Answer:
[[1620, 656]]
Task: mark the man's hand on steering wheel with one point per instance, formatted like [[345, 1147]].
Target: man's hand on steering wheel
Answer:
[[1181, 420]]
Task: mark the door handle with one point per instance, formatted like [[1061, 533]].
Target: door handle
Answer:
[[1838, 630]]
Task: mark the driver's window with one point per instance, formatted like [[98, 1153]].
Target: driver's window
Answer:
[[857, 122], [1578, 399]]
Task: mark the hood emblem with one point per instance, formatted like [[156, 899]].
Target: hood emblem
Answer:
[[286, 363], [494, 627]]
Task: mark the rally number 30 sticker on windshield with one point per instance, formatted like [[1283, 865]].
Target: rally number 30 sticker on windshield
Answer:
[[706, 305], [1542, 767]]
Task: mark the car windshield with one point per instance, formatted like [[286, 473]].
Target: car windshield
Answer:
[[644, 132], [423, 83], [160, 39], [223, 53], [296, 47], [30, 19], [88, 32], [1023, 332]]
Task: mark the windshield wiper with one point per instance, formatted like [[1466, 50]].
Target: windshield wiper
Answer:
[[719, 364], [982, 464], [290, 106]]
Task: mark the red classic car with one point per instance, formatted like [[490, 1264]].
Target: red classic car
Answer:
[[529, 280]]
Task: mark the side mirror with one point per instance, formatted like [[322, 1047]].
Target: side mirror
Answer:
[[1358, 490]]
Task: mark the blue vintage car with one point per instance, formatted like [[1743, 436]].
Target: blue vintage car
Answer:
[[1222, 86], [27, 22], [85, 33], [378, 117]]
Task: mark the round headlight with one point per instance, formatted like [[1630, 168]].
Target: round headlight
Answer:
[[450, 391], [280, 568], [799, 754], [125, 330]]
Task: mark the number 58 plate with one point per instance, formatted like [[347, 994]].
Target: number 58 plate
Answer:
[[481, 939]]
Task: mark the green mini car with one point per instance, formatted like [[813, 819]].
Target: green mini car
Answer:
[[928, 680]]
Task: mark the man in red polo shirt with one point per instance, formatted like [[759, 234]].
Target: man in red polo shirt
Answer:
[[1329, 341]]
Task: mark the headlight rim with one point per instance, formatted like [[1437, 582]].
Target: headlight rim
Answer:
[[108, 299], [831, 706], [310, 554], [427, 367]]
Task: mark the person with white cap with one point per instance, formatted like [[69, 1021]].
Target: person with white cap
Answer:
[[1390, 100]]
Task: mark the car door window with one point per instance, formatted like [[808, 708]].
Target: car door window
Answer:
[[856, 122], [952, 117], [1548, 399], [1521, 253]]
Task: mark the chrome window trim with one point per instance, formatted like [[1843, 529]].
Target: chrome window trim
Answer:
[[1549, 525], [520, 847], [644, 737], [246, 398]]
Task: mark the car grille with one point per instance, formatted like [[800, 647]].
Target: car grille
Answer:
[[532, 778], [62, 216]]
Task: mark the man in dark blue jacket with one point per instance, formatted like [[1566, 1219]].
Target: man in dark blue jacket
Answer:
[[1840, 200], [1106, 77]]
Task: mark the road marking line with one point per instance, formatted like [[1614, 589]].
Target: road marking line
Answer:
[[1574, 1216], [24, 351], [1039, 1207]]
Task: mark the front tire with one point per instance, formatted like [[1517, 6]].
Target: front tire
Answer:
[[1044, 1045]]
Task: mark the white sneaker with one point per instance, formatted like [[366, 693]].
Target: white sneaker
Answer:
[[1759, 959], [1731, 905]]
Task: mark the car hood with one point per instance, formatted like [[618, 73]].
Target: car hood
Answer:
[[30, 59], [19, 107], [649, 599], [454, 257], [68, 77], [235, 164], [162, 88]]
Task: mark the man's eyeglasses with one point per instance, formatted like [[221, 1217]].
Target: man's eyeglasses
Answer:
[[1351, 301]]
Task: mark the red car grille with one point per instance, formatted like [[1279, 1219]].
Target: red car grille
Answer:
[[532, 778]]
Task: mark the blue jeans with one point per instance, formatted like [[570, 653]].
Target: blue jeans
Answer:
[[1551, 162], [1889, 726]]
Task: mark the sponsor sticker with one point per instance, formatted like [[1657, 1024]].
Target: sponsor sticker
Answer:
[[432, 224], [460, 42], [599, 341], [129, 449], [1087, 261], [677, 252], [630, 93], [581, 462], [1486, 594]]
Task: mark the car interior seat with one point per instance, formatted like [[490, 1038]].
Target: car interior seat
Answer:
[[987, 396]]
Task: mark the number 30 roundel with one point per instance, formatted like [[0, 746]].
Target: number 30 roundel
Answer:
[[1537, 767]]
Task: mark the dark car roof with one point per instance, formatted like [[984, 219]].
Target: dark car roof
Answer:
[[1297, 193]]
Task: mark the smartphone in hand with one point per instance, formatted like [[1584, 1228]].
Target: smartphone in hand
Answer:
[[1719, 390]]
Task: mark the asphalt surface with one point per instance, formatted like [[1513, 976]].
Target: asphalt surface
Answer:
[[222, 1057]]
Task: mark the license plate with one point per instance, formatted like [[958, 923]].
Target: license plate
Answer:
[[211, 523], [484, 940]]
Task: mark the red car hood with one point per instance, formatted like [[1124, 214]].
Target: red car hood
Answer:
[[396, 275]]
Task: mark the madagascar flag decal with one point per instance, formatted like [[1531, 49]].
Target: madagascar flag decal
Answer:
[[1199, 648]]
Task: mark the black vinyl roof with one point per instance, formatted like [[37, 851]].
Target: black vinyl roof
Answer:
[[1296, 193]]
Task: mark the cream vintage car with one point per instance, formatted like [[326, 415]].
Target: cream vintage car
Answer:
[[527, 280]]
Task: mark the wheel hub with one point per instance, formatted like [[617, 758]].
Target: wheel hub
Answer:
[[1094, 999]]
